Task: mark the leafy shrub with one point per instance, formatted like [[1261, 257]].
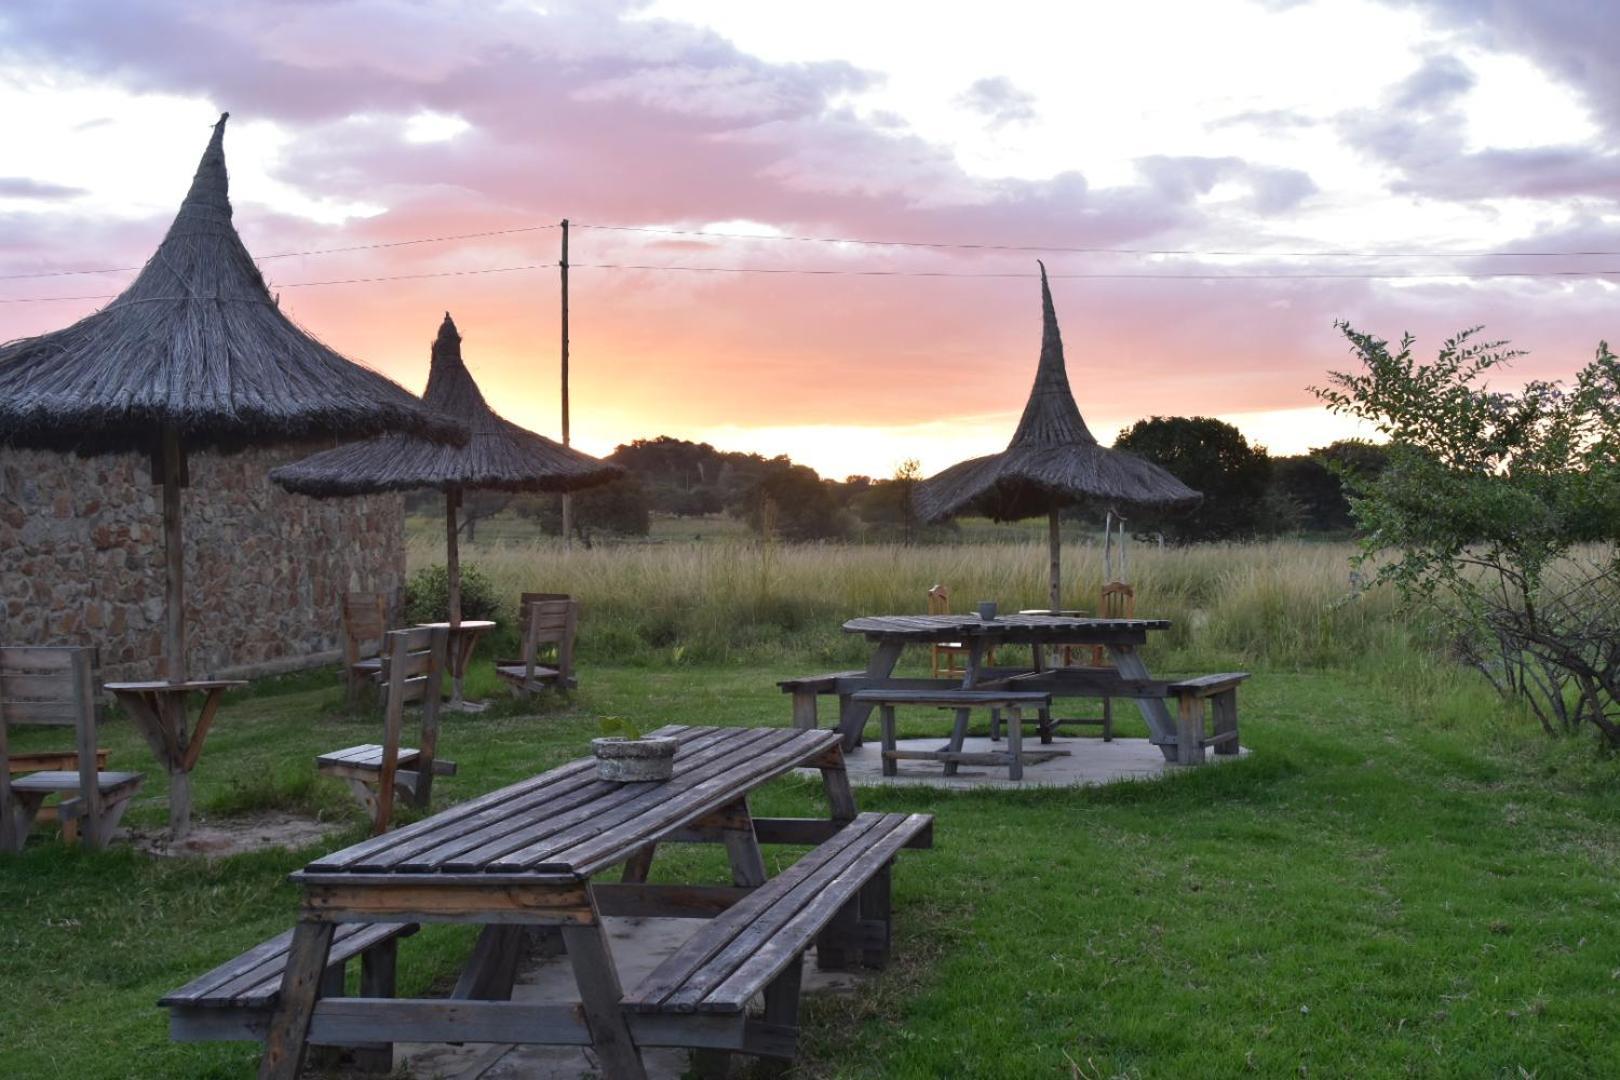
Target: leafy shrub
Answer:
[[427, 595]]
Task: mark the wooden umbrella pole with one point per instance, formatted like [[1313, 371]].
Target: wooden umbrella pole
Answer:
[[452, 555], [174, 629], [171, 467], [1054, 539], [567, 499]]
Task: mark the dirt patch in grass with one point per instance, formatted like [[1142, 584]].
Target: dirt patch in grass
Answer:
[[237, 835]]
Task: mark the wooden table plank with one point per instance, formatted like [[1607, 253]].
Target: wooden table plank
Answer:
[[648, 813], [450, 821], [566, 821], [601, 851], [1016, 629], [546, 813]]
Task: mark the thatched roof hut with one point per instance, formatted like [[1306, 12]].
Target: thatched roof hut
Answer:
[[1053, 461], [498, 456], [197, 344], [195, 354]]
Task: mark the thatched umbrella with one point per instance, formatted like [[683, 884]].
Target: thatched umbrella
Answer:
[[499, 456], [194, 355], [1052, 462]]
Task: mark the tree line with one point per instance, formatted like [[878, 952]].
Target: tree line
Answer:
[[1247, 493]]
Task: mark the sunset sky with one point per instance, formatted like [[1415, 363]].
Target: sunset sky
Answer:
[[1239, 174]]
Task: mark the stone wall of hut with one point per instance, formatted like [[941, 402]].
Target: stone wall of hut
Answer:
[[81, 561]]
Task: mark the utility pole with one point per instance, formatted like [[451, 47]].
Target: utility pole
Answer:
[[567, 500]]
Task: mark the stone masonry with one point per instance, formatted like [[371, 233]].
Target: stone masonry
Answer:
[[81, 561]]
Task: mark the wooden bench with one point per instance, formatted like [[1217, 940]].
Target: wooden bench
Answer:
[[1012, 703], [415, 665], [806, 689], [363, 765], [550, 620], [1191, 694], [54, 761], [836, 897], [56, 685], [234, 1002]]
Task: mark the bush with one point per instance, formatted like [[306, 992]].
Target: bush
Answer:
[[427, 595]]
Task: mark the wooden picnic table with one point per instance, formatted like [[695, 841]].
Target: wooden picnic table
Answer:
[[159, 710], [464, 637], [527, 855], [892, 634]]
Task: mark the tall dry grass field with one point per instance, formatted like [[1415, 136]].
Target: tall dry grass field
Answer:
[[1281, 604]]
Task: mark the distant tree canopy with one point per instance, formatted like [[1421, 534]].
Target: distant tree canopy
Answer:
[[1316, 487], [887, 505], [791, 502], [690, 479], [1213, 457], [620, 508], [1247, 493]]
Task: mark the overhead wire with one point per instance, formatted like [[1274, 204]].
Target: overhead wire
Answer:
[[813, 272], [293, 254], [1111, 275]]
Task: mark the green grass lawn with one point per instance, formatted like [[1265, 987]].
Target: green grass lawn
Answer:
[[1396, 882]]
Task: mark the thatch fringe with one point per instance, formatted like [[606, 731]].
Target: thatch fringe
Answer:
[[197, 343], [499, 455]]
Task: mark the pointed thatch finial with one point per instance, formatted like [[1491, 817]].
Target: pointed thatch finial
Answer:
[[447, 346], [1051, 416], [208, 201]]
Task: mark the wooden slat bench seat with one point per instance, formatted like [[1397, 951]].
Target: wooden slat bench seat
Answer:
[[805, 690], [1010, 703], [368, 757], [115, 790], [362, 767], [836, 897], [234, 1001], [53, 761], [1191, 694], [519, 676]]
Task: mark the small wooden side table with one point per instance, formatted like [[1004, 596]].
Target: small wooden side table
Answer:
[[463, 638], [159, 710]]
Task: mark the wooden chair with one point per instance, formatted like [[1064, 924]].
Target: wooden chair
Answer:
[[547, 622], [365, 621], [57, 685], [948, 659], [1116, 601], [416, 664]]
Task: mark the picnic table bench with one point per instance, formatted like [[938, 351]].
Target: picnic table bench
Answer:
[[1220, 691], [806, 688], [532, 855], [234, 1002]]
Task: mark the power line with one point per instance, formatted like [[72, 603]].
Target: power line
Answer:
[[1042, 248], [811, 272], [863, 242], [1107, 276], [293, 254]]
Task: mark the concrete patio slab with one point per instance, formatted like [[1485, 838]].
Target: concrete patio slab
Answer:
[[1089, 762]]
